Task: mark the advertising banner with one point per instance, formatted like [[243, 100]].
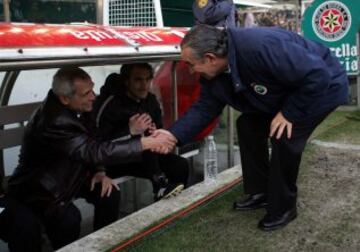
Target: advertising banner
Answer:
[[335, 24], [36, 35]]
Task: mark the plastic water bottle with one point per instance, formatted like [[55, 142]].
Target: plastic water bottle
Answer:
[[210, 161]]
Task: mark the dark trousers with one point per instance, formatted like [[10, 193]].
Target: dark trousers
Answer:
[[175, 168], [63, 225], [274, 175], [19, 227]]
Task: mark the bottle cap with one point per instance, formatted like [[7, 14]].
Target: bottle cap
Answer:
[[211, 137]]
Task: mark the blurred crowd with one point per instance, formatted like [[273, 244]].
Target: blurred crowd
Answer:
[[284, 18]]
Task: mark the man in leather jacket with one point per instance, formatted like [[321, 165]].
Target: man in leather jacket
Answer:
[[59, 155]]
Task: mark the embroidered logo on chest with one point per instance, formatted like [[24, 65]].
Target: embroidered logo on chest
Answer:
[[260, 89]]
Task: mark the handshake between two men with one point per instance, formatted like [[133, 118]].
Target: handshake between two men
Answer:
[[160, 141], [156, 140]]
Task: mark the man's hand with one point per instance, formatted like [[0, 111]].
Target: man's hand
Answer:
[[161, 141], [139, 123], [107, 183], [152, 128], [279, 123]]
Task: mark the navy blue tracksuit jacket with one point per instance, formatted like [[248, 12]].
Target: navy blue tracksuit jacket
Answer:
[[271, 70]]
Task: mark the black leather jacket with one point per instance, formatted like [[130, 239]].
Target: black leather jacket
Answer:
[[58, 154]]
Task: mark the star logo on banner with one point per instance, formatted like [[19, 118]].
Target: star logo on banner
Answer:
[[332, 21]]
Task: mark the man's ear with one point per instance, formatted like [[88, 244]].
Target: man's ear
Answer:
[[210, 57], [64, 100]]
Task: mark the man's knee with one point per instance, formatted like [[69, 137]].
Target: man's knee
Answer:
[[67, 218], [291, 146], [111, 201], [95, 198]]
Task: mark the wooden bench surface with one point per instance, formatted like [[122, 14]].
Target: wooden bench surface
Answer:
[[12, 120]]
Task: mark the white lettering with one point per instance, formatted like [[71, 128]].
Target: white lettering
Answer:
[[347, 64], [143, 35], [350, 65], [151, 36], [132, 35], [79, 35], [99, 35], [354, 66], [102, 35], [336, 51], [354, 51], [344, 50]]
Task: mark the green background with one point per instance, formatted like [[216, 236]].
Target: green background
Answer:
[[349, 62]]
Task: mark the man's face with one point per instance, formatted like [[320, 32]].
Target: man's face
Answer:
[[84, 97], [139, 81], [209, 67]]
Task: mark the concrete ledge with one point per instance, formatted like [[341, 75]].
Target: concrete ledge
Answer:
[[128, 227]]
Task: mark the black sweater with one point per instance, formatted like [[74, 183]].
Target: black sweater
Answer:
[[113, 109]]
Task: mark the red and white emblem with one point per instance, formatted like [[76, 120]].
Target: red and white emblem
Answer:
[[331, 20]]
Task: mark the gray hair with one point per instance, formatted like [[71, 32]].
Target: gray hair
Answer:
[[63, 81], [204, 39]]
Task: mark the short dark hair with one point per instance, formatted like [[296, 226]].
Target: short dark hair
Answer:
[[204, 39], [63, 81], [126, 69]]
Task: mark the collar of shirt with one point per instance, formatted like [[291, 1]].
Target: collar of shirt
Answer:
[[228, 70]]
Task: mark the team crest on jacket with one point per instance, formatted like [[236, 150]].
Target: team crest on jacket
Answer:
[[331, 20], [260, 89], [202, 3]]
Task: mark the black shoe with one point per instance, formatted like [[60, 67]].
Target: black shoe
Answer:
[[169, 191], [255, 201], [160, 179], [269, 222]]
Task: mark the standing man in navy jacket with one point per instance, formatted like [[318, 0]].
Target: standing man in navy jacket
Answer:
[[283, 84]]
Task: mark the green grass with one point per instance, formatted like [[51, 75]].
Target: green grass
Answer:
[[216, 227], [208, 228], [341, 126]]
